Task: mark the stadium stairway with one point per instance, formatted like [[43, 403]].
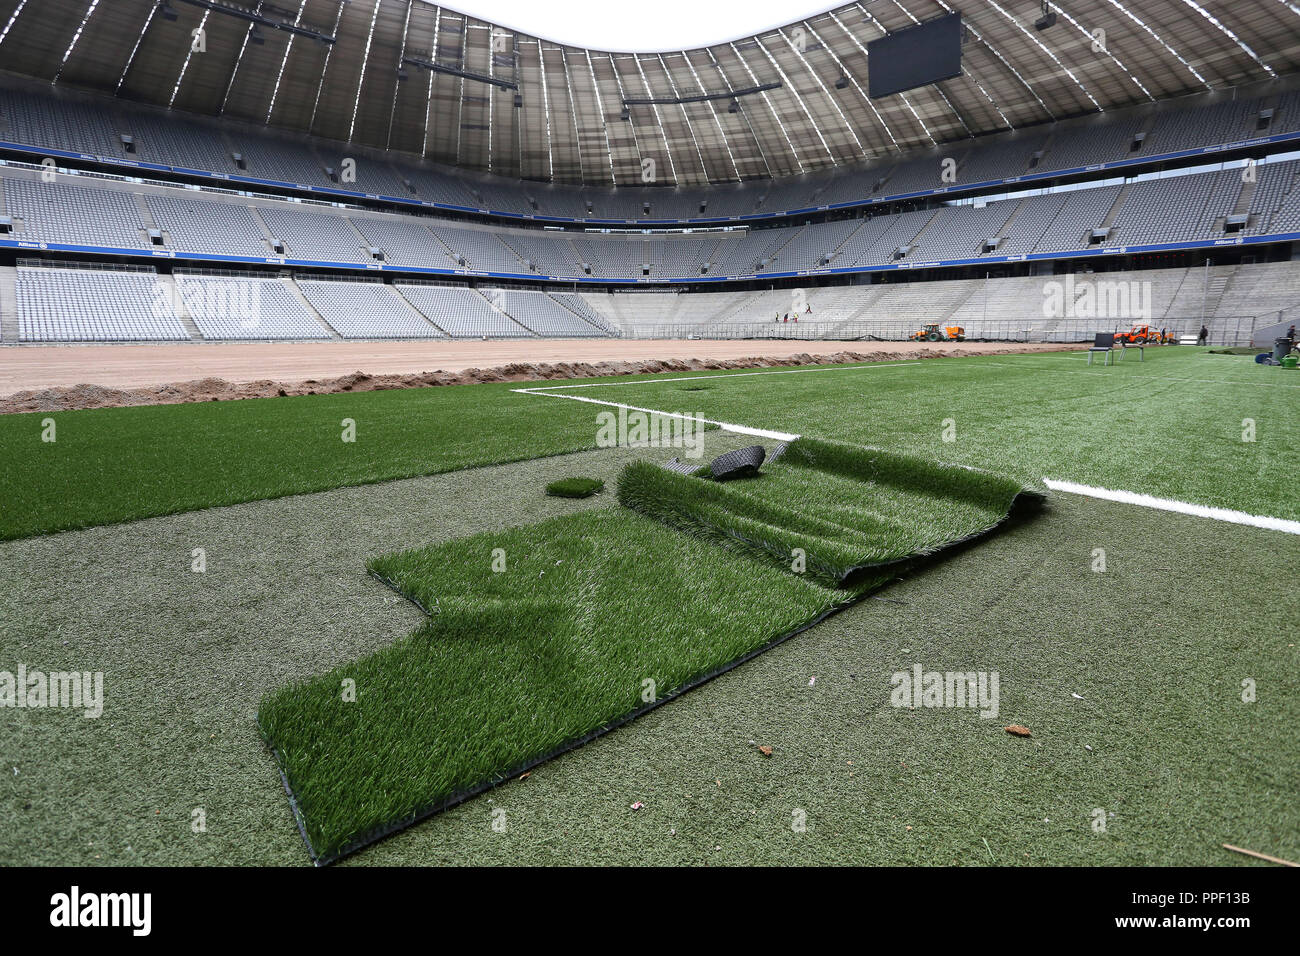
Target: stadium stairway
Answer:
[[146, 214], [406, 304], [8, 304], [1011, 220], [524, 330], [585, 318], [1217, 287], [1242, 205], [292, 286], [1115, 207], [834, 253], [269, 236], [168, 284], [916, 240], [978, 289]]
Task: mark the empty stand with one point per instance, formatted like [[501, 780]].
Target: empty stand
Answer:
[[85, 305], [228, 307], [366, 310]]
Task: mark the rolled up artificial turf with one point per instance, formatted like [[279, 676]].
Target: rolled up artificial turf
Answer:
[[539, 638], [846, 507]]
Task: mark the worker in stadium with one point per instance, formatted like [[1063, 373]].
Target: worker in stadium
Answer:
[[1203, 337]]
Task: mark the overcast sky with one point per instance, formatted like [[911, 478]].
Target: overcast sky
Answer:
[[640, 26]]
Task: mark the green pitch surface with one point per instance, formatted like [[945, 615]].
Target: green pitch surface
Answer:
[[1171, 426], [1132, 679], [119, 464]]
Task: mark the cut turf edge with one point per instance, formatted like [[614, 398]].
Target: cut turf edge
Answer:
[[381, 832]]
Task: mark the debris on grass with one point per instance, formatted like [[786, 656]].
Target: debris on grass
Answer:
[[574, 488], [1018, 730], [1259, 856], [765, 751], [638, 805]]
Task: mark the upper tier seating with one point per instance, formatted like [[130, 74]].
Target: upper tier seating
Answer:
[[77, 215], [206, 226], [38, 117], [1168, 210]]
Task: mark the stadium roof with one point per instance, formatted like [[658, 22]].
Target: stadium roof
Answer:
[[413, 76]]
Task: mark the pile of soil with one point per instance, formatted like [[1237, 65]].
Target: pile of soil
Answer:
[[66, 398]]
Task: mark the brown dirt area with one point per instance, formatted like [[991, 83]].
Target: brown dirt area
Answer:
[[57, 378]]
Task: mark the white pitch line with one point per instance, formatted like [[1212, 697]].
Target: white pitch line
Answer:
[[725, 426], [1182, 507], [1126, 497]]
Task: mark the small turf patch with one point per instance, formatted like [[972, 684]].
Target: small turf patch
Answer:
[[575, 487]]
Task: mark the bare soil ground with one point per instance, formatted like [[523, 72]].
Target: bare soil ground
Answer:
[[54, 378]]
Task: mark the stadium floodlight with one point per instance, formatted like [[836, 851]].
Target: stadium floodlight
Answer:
[[625, 114], [842, 82], [168, 11], [733, 106], [1048, 19]]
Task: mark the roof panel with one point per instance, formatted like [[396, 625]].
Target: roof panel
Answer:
[[569, 127]]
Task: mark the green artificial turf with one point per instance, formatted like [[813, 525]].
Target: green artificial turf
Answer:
[[513, 664], [542, 635], [119, 464], [575, 487], [843, 506], [1171, 426], [1157, 647]]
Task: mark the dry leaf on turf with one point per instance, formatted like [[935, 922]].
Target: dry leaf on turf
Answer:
[[1018, 730]]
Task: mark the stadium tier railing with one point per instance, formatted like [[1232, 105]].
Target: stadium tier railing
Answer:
[[1224, 331]]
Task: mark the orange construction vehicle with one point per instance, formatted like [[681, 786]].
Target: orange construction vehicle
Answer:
[[930, 332], [1144, 335]]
